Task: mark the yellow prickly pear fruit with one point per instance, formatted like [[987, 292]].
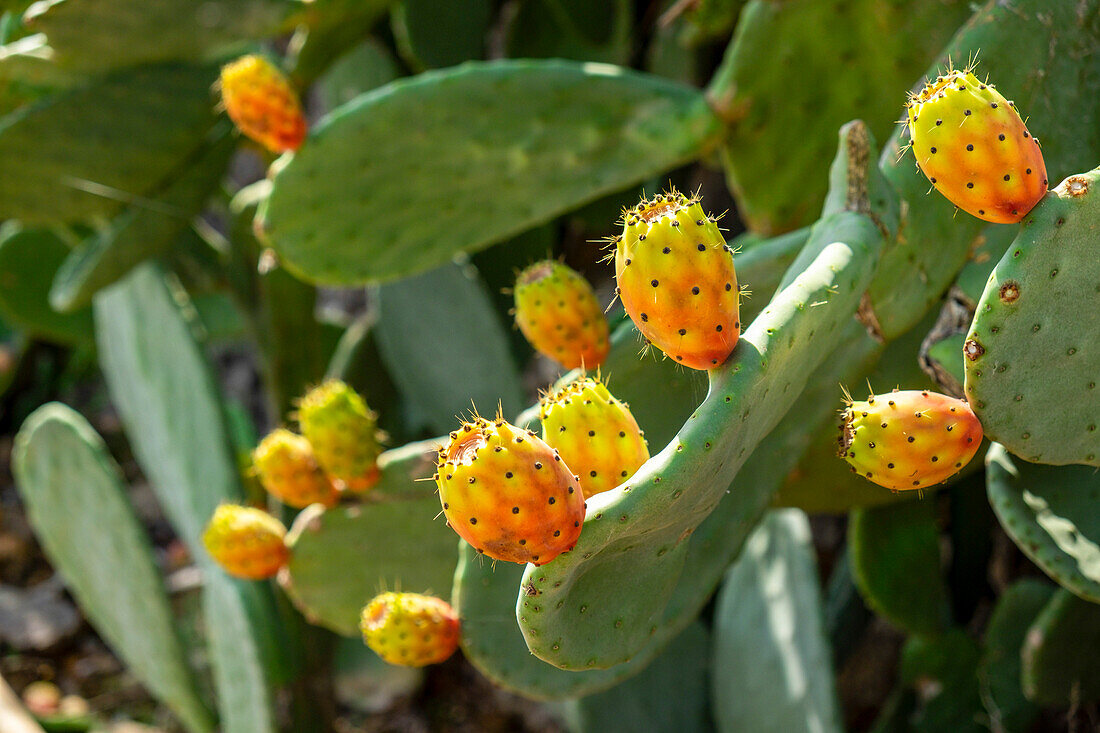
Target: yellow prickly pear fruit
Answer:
[[595, 434], [975, 149], [559, 315], [909, 440], [246, 542], [262, 104], [344, 434], [677, 282], [288, 470], [410, 629]]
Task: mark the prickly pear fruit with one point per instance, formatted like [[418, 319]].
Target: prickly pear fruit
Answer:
[[289, 471], [344, 434], [910, 439], [558, 313], [975, 149], [410, 629], [262, 104], [508, 493], [594, 433], [246, 542], [676, 280]]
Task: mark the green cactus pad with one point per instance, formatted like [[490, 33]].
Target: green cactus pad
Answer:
[[431, 34], [28, 260], [342, 557], [999, 669], [365, 67], [86, 33], [73, 491], [571, 29], [446, 347], [485, 596], [1013, 41], [761, 263], [1058, 668], [637, 530], [670, 696], [1028, 348], [772, 666], [855, 76], [142, 231], [1050, 513], [943, 671], [404, 177], [84, 153], [165, 393], [895, 556]]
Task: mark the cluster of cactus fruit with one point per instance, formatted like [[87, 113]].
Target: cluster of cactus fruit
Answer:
[[610, 552]]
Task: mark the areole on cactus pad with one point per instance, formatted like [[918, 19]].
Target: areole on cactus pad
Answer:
[[676, 280]]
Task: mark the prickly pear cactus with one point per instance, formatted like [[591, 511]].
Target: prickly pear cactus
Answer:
[[1026, 349]]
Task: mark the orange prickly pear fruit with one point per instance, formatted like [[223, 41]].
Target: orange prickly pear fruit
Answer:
[[508, 493], [262, 104], [910, 439], [594, 433], [344, 434], [558, 313], [975, 149], [676, 280], [410, 629], [288, 470], [246, 542]]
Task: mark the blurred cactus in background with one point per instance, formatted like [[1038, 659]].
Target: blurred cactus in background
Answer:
[[428, 228]]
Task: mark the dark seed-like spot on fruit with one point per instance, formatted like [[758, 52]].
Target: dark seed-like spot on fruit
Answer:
[[718, 327], [592, 474], [910, 438], [683, 331], [1001, 136], [970, 147], [523, 542], [570, 489], [939, 122], [1007, 176], [591, 433], [538, 465], [966, 112], [935, 458], [645, 318], [695, 290], [1028, 171], [933, 151], [653, 282], [473, 520], [889, 465], [702, 247], [993, 105], [970, 185], [552, 500], [728, 287], [666, 250]]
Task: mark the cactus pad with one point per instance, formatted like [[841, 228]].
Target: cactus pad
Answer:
[[1050, 513], [769, 612], [1057, 666], [1028, 349], [28, 260], [485, 151], [342, 557]]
